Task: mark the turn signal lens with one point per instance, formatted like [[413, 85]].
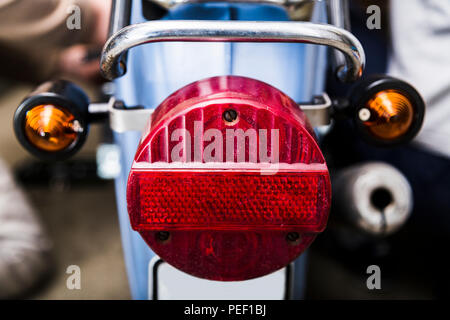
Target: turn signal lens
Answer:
[[53, 121], [388, 115], [51, 128], [387, 111]]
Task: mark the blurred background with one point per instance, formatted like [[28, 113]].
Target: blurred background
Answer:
[[80, 217], [79, 213], [77, 208]]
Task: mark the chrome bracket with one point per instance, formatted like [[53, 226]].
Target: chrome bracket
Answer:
[[127, 119], [319, 113], [135, 119]]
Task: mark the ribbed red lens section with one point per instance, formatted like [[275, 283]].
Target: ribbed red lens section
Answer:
[[228, 182]]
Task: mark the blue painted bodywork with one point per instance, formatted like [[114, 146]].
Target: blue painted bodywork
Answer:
[[156, 70]]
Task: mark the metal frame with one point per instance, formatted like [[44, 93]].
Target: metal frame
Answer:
[[120, 15], [319, 113], [122, 120], [135, 119], [113, 64], [349, 58], [338, 12]]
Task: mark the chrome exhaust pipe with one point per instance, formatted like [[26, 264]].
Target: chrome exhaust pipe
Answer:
[[374, 197]]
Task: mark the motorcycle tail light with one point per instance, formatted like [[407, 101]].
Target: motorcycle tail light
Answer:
[[228, 182]]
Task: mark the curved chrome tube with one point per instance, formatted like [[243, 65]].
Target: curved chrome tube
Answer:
[[113, 66]]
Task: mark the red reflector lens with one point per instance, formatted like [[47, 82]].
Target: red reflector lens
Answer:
[[230, 201], [228, 182]]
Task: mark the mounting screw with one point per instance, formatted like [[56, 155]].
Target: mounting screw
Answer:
[[293, 238], [162, 236], [230, 115]]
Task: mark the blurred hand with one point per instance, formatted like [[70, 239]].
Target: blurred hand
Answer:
[[82, 61], [77, 61], [102, 10]]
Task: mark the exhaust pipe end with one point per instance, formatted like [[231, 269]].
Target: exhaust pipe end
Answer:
[[374, 197]]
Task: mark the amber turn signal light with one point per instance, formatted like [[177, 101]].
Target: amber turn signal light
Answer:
[[51, 122], [388, 111], [51, 128], [388, 115]]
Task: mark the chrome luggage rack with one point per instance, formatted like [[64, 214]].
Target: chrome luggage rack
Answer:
[[349, 54], [113, 65]]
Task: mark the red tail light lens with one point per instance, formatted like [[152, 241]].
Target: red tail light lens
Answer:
[[228, 182]]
